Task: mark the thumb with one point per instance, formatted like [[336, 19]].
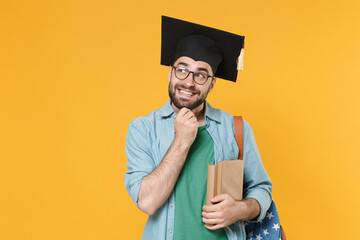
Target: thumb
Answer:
[[219, 198]]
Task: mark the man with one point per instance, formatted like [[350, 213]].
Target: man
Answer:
[[169, 149]]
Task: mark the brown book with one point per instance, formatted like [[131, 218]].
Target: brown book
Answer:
[[227, 176]]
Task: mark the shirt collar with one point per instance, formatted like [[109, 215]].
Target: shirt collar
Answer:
[[167, 110], [210, 112]]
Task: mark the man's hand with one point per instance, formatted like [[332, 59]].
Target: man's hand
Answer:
[[226, 211], [186, 126]]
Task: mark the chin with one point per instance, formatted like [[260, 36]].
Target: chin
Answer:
[[189, 105]]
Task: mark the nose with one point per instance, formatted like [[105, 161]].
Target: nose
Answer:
[[189, 80]]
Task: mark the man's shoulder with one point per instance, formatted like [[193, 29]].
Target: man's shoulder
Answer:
[[223, 114], [144, 120], [224, 117], [152, 117], [219, 115]]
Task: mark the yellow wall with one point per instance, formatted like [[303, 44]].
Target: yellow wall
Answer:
[[73, 74]]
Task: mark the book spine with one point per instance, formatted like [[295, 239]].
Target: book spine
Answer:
[[218, 179], [211, 184]]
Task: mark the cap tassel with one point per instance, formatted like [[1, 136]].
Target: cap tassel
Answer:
[[240, 61]]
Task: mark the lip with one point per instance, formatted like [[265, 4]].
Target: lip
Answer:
[[182, 90]]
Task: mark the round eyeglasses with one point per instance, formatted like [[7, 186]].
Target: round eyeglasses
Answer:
[[182, 72]]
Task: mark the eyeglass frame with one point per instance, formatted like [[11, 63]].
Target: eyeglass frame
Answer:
[[208, 76]]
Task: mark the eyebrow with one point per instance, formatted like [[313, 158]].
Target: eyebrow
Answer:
[[198, 69]]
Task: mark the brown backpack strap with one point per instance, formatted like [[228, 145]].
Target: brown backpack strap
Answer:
[[239, 135], [283, 237]]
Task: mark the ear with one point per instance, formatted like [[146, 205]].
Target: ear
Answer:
[[170, 71], [213, 81]]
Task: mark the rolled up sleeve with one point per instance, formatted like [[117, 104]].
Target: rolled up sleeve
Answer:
[[257, 183], [140, 162]]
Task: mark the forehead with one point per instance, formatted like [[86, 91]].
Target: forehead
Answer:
[[193, 65]]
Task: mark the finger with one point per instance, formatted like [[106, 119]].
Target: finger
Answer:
[[219, 198], [189, 114], [211, 221], [183, 111], [210, 208], [213, 227], [193, 119], [211, 215]]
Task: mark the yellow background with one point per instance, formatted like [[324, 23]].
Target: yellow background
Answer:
[[73, 74]]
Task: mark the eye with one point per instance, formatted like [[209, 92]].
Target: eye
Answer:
[[200, 76], [181, 70]]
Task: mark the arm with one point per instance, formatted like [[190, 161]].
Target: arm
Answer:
[[257, 191], [158, 185]]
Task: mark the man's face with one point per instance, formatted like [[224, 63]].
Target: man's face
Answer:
[[187, 93]]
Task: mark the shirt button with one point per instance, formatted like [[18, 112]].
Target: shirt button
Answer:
[[171, 205], [170, 231]]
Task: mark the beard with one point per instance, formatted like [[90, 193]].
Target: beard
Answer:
[[200, 99]]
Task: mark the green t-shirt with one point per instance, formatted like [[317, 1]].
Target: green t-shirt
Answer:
[[190, 191]]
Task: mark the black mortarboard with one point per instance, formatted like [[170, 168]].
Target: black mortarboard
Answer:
[[223, 51]]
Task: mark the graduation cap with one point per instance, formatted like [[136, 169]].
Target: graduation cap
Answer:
[[223, 51]]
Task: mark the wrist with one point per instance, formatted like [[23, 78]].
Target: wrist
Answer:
[[182, 144], [241, 211], [250, 209]]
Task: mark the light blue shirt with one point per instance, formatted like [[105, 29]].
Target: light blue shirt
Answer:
[[149, 138]]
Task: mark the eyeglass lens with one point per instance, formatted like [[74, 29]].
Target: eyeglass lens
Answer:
[[182, 73]]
